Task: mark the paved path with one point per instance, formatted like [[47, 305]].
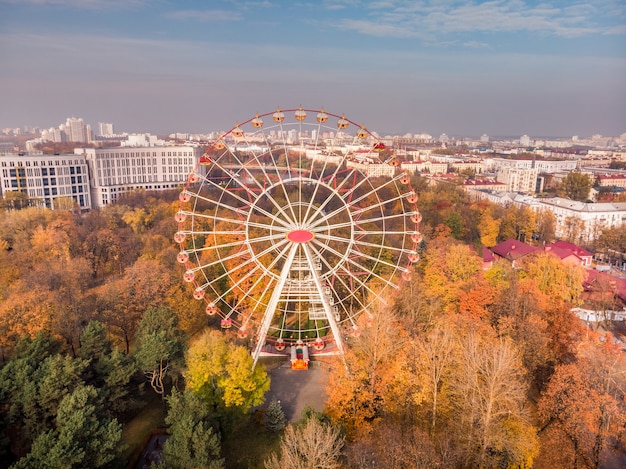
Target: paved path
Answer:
[[295, 389]]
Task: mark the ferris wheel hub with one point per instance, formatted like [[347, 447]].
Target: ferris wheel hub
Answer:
[[300, 236]]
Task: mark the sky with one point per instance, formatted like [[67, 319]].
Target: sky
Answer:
[[466, 68]]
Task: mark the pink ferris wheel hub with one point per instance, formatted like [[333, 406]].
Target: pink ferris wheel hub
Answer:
[[300, 236]]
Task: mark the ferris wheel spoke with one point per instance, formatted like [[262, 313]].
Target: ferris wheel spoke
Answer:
[[247, 262], [263, 226], [224, 294], [332, 178], [377, 205], [336, 189], [375, 259], [376, 190], [340, 279], [219, 261], [356, 264], [260, 239], [378, 233], [383, 218], [194, 232], [353, 278], [277, 173], [339, 239], [329, 313], [385, 247], [219, 204], [245, 186], [275, 261], [315, 221]]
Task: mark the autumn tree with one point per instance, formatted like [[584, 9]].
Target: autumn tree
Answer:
[[221, 373], [396, 445], [490, 417], [575, 186], [434, 353], [375, 379], [448, 270], [313, 444], [16, 200], [580, 411], [123, 301], [546, 226], [489, 229], [558, 280]]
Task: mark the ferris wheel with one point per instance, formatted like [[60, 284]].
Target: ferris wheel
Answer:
[[293, 224]]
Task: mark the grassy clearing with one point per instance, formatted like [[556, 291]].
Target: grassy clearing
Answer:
[[137, 430], [249, 446]]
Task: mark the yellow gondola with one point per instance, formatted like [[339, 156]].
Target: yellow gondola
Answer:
[[257, 122], [237, 132], [300, 114], [278, 116]]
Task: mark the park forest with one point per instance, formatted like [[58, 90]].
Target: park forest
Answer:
[[101, 342]]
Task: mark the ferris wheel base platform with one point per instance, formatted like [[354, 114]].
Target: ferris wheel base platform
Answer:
[[270, 351]]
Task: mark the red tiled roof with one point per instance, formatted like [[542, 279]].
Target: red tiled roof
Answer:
[[561, 253], [488, 255], [598, 281], [512, 249], [580, 252]]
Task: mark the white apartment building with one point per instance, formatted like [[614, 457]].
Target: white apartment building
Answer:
[[518, 180], [122, 169], [430, 167], [585, 220], [105, 129], [47, 178], [594, 217], [373, 169], [541, 165]]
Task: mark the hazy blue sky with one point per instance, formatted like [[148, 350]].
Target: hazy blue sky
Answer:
[[461, 67]]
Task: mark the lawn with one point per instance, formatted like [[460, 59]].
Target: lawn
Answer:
[[249, 446], [137, 431]]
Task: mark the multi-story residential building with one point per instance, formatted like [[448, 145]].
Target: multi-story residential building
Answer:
[[577, 222], [105, 129], [47, 178], [430, 167], [582, 220], [76, 131], [476, 167], [373, 169], [612, 180], [540, 164], [518, 180], [122, 169], [484, 184]]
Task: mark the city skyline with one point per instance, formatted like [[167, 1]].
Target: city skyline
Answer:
[[464, 68]]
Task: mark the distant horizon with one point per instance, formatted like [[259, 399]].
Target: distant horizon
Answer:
[[435, 135]]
